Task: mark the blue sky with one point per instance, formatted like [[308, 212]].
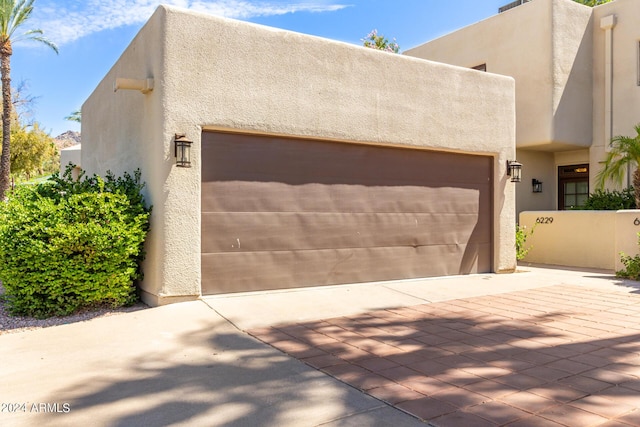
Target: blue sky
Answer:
[[92, 34]]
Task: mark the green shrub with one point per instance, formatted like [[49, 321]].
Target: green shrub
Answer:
[[631, 266], [521, 240], [610, 200], [68, 244]]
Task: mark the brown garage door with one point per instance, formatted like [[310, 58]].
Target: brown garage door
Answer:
[[282, 213]]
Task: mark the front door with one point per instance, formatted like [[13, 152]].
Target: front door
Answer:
[[573, 186]]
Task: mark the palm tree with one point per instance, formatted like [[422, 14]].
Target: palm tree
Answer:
[[13, 15], [75, 116], [592, 3], [625, 151]]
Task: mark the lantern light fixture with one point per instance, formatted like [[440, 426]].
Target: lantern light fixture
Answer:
[[514, 170], [536, 185], [182, 150]]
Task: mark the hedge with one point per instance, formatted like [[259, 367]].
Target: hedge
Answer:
[[70, 244]]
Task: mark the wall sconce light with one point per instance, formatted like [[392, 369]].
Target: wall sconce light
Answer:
[[514, 170], [537, 185], [182, 150]]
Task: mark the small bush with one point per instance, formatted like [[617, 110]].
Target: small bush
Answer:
[[67, 244], [521, 240], [610, 200], [631, 266]]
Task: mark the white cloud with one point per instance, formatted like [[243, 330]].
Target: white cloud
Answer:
[[64, 21]]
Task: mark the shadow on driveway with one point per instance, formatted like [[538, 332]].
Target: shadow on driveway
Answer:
[[236, 382], [560, 355]]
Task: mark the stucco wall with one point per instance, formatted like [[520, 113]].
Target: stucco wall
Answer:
[[626, 92], [543, 166], [123, 131], [571, 238], [542, 45], [71, 155], [538, 165], [592, 239], [567, 158], [627, 229], [572, 50], [217, 73]]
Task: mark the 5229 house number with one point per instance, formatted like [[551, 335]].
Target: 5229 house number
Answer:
[[544, 220]]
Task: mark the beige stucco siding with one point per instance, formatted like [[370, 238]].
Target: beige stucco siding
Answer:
[[592, 239], [123, 131], [571, 238], [538, 165], [542, 45], [72, 155], [215, 73], [625, 89], [288, 83], [626, 96], [572, 60]]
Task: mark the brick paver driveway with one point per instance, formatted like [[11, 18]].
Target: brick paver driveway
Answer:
[[559, 355]]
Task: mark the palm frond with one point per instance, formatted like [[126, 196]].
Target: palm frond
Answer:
[[20, 14], [13, 15], [6, 14], [46, 41], [624, 151]]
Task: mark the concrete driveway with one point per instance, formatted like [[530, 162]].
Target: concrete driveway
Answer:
[[194, 363], [175, 365]]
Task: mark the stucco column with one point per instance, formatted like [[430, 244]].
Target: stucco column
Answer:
[[607, 23]]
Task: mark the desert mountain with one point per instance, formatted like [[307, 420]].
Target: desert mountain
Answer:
[[67, 139]]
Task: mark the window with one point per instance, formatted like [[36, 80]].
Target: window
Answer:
[[573, 186], [512, 5]]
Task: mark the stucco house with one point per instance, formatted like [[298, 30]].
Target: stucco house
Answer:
[[577, 78], [302, 173]]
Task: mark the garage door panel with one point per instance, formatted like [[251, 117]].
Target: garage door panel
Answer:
[[252, 271], [237, 196], [295, 162], [282, 213], [246, 232]]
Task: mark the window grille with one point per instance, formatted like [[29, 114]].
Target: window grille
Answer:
[[512, 5]]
